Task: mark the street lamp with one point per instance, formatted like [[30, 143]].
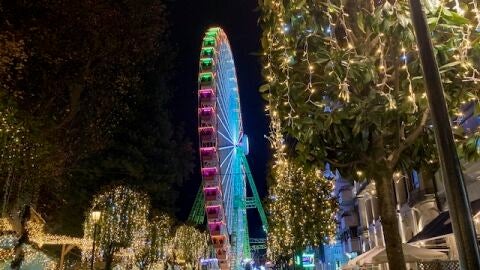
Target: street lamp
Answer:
[[96, 214]]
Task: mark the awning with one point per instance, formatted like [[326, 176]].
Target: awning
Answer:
[[378, 255], [364, 258], [441, 226], [412, 254]]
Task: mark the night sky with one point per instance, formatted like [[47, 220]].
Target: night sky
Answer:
[[191, 18]]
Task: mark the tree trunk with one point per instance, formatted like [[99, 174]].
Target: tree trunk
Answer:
[[108, 262], [6, 192], [109, 257], [387, 207], [18, 249]]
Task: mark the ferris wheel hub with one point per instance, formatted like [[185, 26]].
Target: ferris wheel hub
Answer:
[[244, 144]]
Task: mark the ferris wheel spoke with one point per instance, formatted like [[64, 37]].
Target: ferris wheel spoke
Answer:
[[225, 118], [226, 128], [224, 104], [227, 171], [226, 138], [228, 157], [225, 147]]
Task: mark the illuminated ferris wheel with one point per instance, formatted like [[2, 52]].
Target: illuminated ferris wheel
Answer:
[[223, 150]]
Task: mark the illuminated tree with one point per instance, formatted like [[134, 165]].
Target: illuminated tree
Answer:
[[344, 82], [123, 222], [301, 211], [190, 245], [154, 246]]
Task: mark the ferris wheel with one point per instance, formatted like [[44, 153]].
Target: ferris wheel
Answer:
[[223, 147]]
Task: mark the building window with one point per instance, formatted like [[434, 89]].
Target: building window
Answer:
[[415, 180]]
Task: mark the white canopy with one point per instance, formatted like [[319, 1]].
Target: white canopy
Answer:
[[377, 255], [412, 254], [364, 258]]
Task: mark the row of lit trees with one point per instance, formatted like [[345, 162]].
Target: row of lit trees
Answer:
[[344, 84], [123, 230]]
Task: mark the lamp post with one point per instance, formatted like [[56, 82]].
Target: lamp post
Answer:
[[455, 190], [95, 218]]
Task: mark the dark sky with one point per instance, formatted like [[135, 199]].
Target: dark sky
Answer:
[[191, 18]]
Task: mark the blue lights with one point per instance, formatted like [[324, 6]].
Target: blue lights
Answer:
[[328, 29]]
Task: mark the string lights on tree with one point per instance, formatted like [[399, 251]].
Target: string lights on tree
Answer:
[[189, 245], [123, 222], [344, 81], [154, 245]]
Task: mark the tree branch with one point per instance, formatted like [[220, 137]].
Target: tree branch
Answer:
[[393, 157], [342, 165]]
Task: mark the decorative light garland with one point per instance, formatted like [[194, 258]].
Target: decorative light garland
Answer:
[[312, 61]]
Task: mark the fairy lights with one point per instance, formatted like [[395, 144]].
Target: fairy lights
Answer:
[[334, 64], [190, 245], [123, 221], [296, 195], [376, 57]]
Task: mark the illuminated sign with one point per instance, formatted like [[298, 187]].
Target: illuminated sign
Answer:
[[307, 260]]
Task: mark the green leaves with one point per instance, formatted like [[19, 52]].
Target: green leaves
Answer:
[[263, 88], [373, 60], [301, 209], [453, 18], [449, 66]]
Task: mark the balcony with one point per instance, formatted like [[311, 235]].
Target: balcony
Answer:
[[348, 220], [420, 195], [353, 244]]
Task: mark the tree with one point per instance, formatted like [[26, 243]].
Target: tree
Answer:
[[123, 221], [153, 247], [22, 154], [146, 151], [189, 245], [345, 80], [72, 71], [301, 209]]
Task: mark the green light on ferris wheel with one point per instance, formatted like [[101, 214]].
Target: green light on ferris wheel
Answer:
[[206, 63], [209, 42], [206, 77], [207, 51]]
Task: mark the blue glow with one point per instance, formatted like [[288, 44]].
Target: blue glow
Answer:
[[328, 30]]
